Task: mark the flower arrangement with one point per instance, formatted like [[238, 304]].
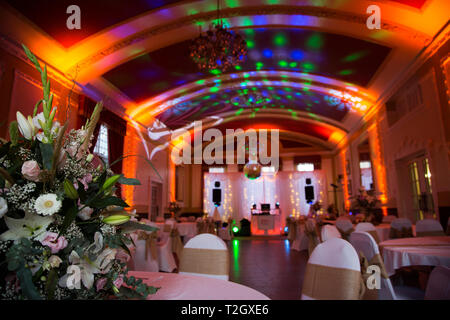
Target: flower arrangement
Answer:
[[174, 208], [366, 202], [64, 232]]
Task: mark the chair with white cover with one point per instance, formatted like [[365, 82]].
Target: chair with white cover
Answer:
[[329, 231], [166, 259], [205, 255], [438, 286], [369, 228], [360, 216], [312, 234], [401, 228], [145, 254], [429, 228], [389, 218], [333, 272], [344, 226], [225, 232], [368, 250]]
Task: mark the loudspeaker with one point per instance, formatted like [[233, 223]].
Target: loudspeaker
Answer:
[[217, 184], [217, 196], [309, 193], [308, 180]]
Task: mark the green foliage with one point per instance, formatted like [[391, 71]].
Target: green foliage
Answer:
[[16, 258], [129, 181], [47, 155], [131, 226], [14, 132]]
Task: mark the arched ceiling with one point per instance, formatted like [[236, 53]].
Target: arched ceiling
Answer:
[[314, 70]]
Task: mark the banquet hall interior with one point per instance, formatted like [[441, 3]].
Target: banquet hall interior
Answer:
[[286, 149]]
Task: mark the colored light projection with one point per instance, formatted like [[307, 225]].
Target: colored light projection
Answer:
[[254, 100], [336, 56]]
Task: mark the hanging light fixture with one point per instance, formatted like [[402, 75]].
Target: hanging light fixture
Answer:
[[218, 49], [252, 170]]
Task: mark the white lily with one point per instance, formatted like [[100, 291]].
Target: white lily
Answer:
[[31, 226], [98, 242], [80, 270], [38, 119], [3, 207], [105, 259], [26, 127]]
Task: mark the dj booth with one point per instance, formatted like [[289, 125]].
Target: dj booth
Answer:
[[266, 222]]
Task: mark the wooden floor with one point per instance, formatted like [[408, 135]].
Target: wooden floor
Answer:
[[268, 265]]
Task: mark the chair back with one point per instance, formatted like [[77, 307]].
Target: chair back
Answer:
[[145, 255], [369, 254], [429, 228], [205, 255], [329, 231], [333, 272], [344, 226], [312, 234], [438, 286], [369, 228], [401, 228]]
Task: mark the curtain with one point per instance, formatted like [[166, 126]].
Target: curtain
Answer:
[[287, 188]]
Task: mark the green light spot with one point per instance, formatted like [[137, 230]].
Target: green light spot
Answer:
[[252, 115], [250, 44], [215, 71], [280, 40], [238, 67], [239, 111], [214, 89], [345, 72], [293, 64], [246, 75], [249, 32], [232, 3], [259, 65], [315, 41], [308, 66], [269, 88], [201, 81], [354, 56], [283, 63]]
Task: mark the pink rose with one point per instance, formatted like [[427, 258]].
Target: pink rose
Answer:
[[100, 284], [51, 240], [118, 282], [31, 170]]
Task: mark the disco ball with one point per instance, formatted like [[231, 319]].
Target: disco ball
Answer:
[[252, 170]]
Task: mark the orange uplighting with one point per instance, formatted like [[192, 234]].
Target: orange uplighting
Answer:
[[345, 184], [378, 164], [129, 165]]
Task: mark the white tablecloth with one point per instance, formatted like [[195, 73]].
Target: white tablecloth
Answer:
[[188, 287], [184, 228], [425, 251]]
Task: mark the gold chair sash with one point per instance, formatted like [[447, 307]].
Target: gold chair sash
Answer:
[[200, 227], [430, 234], [167, 228], [371, 294], [177, 245], [292, 230], [211, 228], [345, 234], [313, 240], [150, 243], [205, 261], [402, 233], [331, 283]]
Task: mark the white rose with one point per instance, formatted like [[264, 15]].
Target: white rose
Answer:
[[3, 207]]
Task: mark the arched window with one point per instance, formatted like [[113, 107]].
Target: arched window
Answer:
[[101, 146]]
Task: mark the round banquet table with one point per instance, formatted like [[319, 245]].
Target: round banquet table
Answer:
[[186, 229], [176, 286], [419, 251]]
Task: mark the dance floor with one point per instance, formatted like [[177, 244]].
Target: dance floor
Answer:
[[268, 265]]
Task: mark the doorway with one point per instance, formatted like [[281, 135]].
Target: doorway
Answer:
[[421, 188]]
